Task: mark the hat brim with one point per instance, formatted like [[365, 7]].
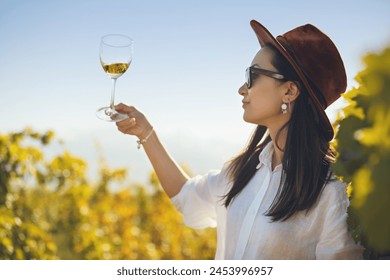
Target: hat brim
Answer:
[[265, 37]]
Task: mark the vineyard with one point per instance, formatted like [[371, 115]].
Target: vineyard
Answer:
[[50, 210]]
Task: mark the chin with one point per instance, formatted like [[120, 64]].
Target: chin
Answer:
[[248, 119], [252, 120]]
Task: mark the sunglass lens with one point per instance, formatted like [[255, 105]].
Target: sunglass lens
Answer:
[[248, 77]]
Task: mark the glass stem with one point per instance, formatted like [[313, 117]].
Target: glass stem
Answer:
[[113, 94]]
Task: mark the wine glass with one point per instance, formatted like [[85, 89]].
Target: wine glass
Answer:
[[116, 54]]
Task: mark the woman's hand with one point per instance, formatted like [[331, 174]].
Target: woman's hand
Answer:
[[171, 175], [136, 124]]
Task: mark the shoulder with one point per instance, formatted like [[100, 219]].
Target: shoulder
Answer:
[[214, 181], [334, 193]]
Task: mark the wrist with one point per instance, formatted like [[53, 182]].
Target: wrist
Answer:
[[145, 131], [143, 140]]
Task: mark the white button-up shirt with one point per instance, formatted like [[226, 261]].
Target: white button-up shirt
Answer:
[[243, 230]]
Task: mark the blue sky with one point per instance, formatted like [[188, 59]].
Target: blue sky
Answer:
[[189, 60]]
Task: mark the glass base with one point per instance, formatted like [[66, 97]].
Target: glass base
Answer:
[[110, 115]]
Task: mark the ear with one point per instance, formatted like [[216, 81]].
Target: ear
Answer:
[[291, 92]]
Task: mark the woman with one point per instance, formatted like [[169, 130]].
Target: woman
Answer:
[[278, 198]]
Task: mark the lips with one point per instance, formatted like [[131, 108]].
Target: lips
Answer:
[[244, 103]]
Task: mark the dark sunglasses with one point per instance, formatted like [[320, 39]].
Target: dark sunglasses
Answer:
[[252, 73]]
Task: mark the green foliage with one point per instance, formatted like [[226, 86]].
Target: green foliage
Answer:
[[363, 143], [50, 210], [22, 233]]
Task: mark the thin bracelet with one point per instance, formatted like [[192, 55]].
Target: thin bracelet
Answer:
[[143, 141]]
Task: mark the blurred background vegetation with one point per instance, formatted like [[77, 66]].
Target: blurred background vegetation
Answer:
[[49, 209], [363, 144]]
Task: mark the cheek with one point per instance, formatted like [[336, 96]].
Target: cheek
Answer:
[[265, 96], [264, 104], [262, 109]]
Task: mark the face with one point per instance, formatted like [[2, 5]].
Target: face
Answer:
[[262, 102]]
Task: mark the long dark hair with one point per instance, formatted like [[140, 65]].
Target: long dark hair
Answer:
[[306, 159]]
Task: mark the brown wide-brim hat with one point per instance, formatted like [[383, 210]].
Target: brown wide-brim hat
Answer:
[[317, 62]]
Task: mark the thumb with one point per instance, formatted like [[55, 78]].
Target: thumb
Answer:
[[122, 108]]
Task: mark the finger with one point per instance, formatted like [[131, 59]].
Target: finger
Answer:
[[126, 130], [121, 106], [124, 109], [126, 122], [125, 125]]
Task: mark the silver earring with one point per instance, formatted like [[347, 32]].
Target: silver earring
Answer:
[[284, 108]]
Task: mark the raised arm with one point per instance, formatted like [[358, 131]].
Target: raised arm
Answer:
[[171, 175]]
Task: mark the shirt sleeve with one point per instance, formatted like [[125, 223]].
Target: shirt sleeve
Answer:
[[198, 200], [335, 240]]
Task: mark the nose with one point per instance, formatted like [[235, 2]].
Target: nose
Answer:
[[243, 90]]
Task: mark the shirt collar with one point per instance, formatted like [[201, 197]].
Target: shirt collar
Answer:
[[265, 157]]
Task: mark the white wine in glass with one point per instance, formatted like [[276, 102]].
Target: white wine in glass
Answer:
[[116, 54]]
